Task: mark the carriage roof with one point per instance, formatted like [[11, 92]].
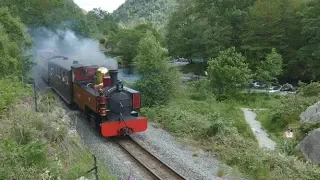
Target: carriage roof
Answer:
[[67, 63]]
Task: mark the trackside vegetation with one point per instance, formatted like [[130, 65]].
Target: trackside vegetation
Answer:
[[39, 145], [219, 127]]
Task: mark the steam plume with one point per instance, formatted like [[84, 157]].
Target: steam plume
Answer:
[[84, 50]]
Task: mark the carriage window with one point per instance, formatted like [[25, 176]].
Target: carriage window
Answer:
[[84, 72]]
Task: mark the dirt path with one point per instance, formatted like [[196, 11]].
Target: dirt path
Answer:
[[262, 137]]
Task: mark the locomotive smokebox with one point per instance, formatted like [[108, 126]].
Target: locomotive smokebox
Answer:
[[114, 77]]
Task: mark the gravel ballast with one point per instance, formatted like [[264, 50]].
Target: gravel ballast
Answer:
[[181, 157]]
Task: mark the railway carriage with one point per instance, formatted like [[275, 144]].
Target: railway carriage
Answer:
[[110, 107]]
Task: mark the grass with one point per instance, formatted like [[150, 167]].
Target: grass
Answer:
[[220, 127], [37, 145]]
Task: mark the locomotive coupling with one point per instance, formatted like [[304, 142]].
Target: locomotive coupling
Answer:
[[125, 131]]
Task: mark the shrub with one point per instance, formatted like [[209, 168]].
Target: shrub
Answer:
[[228, 73], [199, 90], [312, 89], [220, 127], [287, 112]]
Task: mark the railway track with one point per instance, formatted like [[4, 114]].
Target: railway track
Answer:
[[156, 168]]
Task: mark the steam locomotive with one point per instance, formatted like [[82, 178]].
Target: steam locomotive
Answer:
[[110, 107]]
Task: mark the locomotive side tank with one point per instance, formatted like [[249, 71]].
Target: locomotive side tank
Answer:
[[110, 107]]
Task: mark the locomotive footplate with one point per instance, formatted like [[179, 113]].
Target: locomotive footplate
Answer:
[[128, 125]]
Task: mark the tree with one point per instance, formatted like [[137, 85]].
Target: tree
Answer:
[[310, 51], [228, 73], [270, 68], [32, 13], [125, 42], [158, 82], [13, 44], [103, 21], [273, 24]]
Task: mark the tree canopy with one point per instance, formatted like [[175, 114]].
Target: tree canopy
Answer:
[[203, 28], [134, 12], [13, 43], [158, 82], [229, 72]]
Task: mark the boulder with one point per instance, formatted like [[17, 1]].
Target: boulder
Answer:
[[311, 114], [310, 146], [287, 87]]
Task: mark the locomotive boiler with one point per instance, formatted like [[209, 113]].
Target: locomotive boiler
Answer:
[[109, 106]]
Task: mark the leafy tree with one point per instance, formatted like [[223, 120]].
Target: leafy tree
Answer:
[[52, 14], [13, 45], [270, 68], [32, 13], [125, 42], [103, 21], [228, 73], [203, 28], [310, 52], [134, 12], [158, 82], [273, 24]]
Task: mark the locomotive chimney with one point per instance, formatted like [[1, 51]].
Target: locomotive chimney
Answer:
[[114, 77]]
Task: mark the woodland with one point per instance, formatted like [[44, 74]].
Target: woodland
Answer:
[[240, 41]]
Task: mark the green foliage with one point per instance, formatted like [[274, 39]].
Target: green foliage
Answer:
[[199, 90], [14, 42], [158, 82], [125, 42], [11, 91], [312, 89], [134, 12], [270, 68], [274, 24], [103, 21], [32, 145], [204, 28], [61, 14], [309, 52], [220, 127], [228, 73], [33, 13], [196, 68], [286, 113]]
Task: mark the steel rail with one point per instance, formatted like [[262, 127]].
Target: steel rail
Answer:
[[157, 168]]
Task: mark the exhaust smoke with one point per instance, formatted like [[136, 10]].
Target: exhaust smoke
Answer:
[[66, 43]]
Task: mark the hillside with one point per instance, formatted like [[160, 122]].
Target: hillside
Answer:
[[133, 12]]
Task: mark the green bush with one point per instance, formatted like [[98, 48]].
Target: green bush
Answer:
[[11, 91], [312, 89], [287, 112], [199, 90], [220, 127]]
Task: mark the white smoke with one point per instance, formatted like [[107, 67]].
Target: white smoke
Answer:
[[84, 50]]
